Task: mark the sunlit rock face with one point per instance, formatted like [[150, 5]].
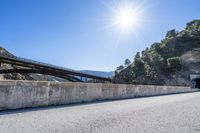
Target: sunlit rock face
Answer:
[[4, 52], [191, 65], [191, 60]]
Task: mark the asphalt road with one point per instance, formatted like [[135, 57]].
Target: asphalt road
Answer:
[[163, 114]]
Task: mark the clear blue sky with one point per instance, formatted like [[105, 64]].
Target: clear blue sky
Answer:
[[76, 33]]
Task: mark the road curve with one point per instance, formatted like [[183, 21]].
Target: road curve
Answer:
[[163, 114]]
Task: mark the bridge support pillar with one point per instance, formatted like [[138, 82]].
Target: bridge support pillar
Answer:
[[44, 77]]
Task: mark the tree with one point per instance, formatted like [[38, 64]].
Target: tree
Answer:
[[127, 62], [139, 66], [171, 33], [119, 69], [137, 55], [174, 63]]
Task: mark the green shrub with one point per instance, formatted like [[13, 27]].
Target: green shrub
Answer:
[[174, 63]]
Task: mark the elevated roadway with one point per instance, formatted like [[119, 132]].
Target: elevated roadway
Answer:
[[31, 66]]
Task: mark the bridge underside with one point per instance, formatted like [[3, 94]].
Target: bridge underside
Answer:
[[24, 66], [45, 72]]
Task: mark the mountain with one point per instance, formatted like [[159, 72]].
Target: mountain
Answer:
[[16, 76], [100, 73], [168, 62]]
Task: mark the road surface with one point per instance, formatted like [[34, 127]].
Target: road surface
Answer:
[[163, 114]]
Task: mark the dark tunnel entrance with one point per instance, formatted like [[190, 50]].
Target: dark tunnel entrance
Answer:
[[197, 83]]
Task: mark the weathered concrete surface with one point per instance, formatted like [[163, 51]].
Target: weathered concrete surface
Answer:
[[22, 94], [162, 114]]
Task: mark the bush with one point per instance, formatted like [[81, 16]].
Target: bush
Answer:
[[174, 63]]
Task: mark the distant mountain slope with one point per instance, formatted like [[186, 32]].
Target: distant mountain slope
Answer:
[[169, 62], [100, 73]]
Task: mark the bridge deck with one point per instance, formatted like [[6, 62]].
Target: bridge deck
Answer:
[[44, 68]]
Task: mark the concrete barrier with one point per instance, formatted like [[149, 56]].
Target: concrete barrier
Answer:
[[23, 94]]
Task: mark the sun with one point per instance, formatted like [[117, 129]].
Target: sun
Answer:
[[125, 18]]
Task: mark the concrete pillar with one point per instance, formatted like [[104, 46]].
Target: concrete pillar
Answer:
[[44, 77]]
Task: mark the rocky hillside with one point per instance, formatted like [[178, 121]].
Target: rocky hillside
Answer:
[[169, 62], [17, 76], [4, 52]]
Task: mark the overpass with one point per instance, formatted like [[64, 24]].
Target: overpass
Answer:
[[31, 66]]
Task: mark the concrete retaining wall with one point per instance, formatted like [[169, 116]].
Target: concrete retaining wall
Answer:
[[22, 94]]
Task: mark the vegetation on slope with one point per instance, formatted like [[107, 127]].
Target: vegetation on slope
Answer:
[[161, 63]]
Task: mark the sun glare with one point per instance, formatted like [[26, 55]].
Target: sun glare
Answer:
[[125, 18]]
